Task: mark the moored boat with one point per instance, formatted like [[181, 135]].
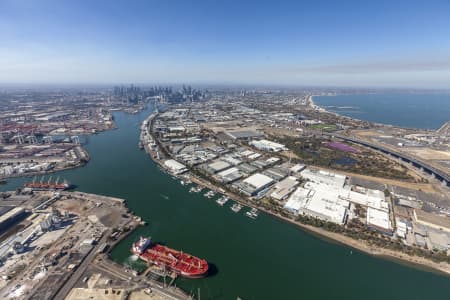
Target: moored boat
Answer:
[[236, 207], [222, 200], [253, 213]]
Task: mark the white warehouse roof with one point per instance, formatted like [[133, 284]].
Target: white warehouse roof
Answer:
[[258, 180], [175, 166], [378, 218], [325, 177], [267, 145]]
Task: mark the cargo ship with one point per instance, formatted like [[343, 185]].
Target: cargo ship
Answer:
[[47, 185], [182, 264]]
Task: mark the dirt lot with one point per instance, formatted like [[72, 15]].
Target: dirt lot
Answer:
[[426, 153]]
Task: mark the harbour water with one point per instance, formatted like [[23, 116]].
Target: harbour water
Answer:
[[424, 111], [253, 259]]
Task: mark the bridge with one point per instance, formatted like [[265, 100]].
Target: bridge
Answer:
[[423, 166]]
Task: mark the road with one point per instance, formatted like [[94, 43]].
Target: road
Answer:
[[76, 275], [444, 177]]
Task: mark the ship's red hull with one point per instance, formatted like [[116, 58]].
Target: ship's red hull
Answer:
[[181, 263], [46, 186]]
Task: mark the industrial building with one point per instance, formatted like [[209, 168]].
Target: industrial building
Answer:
[[324, 177], [175, 167], [244, 134], [229, 175], [320, 202], [277, 173], [216, 166], [268, 146], [336, 182], [254, 184], [283, 188], [379, 220]]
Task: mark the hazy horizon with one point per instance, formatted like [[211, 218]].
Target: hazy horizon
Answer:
[[405, 44]]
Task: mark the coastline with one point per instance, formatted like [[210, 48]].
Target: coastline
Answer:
[[317, 107], [443, 267]]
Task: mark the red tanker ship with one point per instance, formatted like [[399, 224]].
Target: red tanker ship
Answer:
[[181, 263]]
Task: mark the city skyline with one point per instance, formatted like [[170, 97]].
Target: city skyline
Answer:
[[402, 44]]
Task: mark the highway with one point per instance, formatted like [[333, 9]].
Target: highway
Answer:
[[440, 175]]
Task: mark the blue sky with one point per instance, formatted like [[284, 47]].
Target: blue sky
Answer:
[[333, 43]]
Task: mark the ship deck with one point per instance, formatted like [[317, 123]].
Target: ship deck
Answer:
[[178, 261]]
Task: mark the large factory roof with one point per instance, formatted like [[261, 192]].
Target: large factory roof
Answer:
[[267, 145], [379, 219], [284, 187], [318, 202], [324, 177], [258, 180], [175, 166], [244, 134], [230, 174], [218, 165]]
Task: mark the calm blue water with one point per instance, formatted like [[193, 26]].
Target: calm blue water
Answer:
[[425, 111]]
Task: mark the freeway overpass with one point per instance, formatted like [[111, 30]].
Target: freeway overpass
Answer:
[[423, 166]]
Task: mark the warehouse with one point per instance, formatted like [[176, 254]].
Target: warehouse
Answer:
[[324, 177], [217, 166], [175, 167], [229, 175], [283, 188], [318, 201], [297, 200], [255, 184], [247, 169], [379, 220], [244, 134], [266, 145], [277, 173]]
